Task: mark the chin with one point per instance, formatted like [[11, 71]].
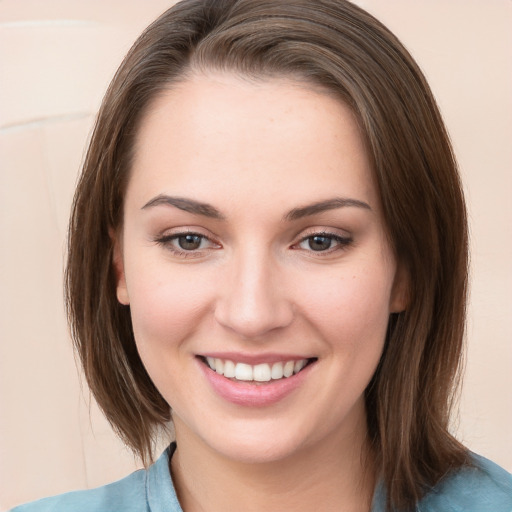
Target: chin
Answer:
[[262, 442], [257, 451]]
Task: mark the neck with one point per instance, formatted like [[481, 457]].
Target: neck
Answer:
[[336, 476]]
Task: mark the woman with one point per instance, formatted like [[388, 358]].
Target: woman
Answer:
[[268, 247]]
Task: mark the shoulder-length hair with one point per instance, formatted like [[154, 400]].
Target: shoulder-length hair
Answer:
[[344, 50]]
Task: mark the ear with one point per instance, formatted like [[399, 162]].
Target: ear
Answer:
[[118, 264], [399, 300]]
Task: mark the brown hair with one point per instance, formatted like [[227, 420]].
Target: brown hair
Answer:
[[343, 49]]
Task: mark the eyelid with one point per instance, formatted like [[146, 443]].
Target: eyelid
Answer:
[[167, 237], [186, 230], [322, 231], [342, 240]]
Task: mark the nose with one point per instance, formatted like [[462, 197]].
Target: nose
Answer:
[[252, 299]]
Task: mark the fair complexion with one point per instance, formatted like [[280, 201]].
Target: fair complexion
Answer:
[[253, 242]]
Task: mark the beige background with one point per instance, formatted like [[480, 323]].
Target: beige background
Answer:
[[56, 58]]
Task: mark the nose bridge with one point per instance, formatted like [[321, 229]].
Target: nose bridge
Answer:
[[253, 300]]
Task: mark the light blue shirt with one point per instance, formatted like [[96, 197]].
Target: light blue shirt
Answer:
[[483, 488]]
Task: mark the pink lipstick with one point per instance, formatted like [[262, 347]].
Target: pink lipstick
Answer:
[[254, 381]]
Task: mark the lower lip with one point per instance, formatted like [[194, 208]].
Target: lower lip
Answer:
[[251, 394]]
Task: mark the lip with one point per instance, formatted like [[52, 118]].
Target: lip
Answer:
[[247, 394]]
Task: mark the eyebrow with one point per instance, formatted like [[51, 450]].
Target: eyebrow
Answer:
[[207, 210], [323, 206], [187, 205]]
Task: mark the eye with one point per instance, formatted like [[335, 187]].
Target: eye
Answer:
[[324, 242], [187, 244], [318, 242]]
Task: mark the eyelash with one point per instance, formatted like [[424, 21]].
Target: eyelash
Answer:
[[167, 242], [342, 242]]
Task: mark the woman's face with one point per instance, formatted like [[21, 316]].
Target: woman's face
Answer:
[[254, 259]]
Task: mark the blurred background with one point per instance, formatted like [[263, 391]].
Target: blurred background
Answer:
[[56, 60]]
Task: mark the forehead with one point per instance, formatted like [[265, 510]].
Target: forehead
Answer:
[[219, 131]]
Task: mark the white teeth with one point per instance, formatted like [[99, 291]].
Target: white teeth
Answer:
[[259, 373], [219, 366], [229, 369], [298, 366], [288, 368], [277, 371], [243, 371]]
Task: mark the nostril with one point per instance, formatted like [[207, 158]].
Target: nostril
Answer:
[[252, 300], [250, 319]]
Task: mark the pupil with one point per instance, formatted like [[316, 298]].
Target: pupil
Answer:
[[189, 242], [320, 243]]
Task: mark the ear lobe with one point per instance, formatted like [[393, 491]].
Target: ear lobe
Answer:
[[400, 292], [118, 265]]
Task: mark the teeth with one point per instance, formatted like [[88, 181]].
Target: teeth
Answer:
[[242, 371], [219, 366], [259, 373], [277, 371], [299, 365], [288, 368], [229, 369]]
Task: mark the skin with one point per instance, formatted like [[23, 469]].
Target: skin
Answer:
[[256, 152]]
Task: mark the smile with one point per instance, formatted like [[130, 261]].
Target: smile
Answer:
[[255, 381], [263, 372]]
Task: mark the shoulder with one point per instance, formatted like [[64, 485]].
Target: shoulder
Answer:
[[126, 494], [142, 491], [482, 487]]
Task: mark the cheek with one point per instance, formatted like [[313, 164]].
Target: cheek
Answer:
[[166, 310], [165, 305], [351, 309]]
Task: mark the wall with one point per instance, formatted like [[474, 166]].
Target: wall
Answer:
[[56, 58]]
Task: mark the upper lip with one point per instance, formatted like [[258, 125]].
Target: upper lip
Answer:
[[254, 359]]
